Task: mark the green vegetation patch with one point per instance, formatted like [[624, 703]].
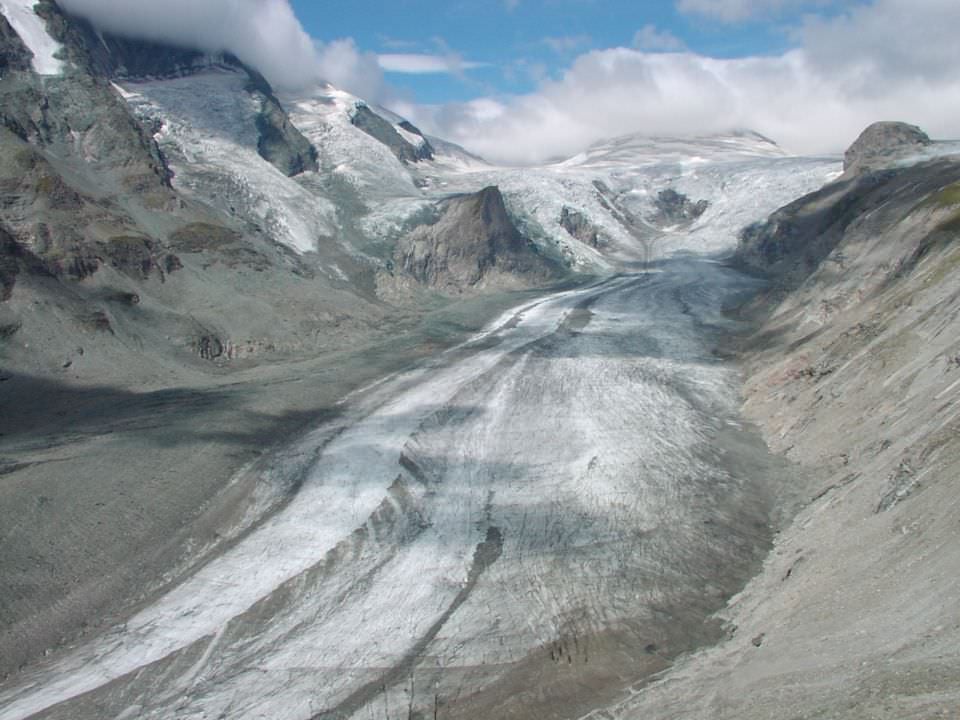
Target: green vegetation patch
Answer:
[[948, 197], [951, 224], [198, 237]]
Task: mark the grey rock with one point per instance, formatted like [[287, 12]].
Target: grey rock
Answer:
[[674, 208], [9, 264], [881, 144], [380, 129], [14, 54], [792, 243], [579, 227], [280, 143], [473, 243]]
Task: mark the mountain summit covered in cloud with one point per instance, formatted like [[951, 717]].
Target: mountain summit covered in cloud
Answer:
[[835, 67]]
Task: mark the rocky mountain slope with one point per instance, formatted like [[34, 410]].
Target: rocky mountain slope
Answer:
[[854, 376], [473, 244]]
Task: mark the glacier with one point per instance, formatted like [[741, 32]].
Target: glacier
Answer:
[[534, 518]]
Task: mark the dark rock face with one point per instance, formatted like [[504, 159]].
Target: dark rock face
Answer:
[[376, 127], [796, 239], [14, 55], [474, 243], [222, 245], [675, 208], [209, 347], [280, 144], [14, 260], [882, 143], [579, 227], [9, 264]]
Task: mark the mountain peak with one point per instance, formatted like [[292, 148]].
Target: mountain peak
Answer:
[[881, 143]]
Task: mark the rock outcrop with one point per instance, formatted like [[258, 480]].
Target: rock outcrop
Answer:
[[14, 55], [280, 143], [473, 244], [676, 209], [795, 240], [882, 144], [380, 129], [579, 227]]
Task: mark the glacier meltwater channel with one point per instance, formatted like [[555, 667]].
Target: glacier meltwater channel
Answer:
[[532, 520]]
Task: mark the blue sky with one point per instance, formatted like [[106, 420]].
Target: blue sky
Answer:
[[516, 45]]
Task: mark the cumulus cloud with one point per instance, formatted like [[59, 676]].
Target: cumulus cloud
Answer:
[[262, 33], [885, 60], [344, 65]]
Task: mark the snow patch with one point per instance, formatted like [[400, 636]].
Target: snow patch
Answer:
[[32, 30]]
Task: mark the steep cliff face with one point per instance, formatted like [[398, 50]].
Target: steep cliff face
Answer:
[[676, 209], [580, 227], [14, 55], [474, 244]]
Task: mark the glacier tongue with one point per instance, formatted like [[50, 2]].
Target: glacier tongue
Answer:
[[570, 476]]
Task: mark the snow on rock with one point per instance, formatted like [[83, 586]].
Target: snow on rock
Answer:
[[32, 30], [614, 185], [323, 115], [210, 136]]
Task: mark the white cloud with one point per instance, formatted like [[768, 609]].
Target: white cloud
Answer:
[[425, 64], [262, 33], [882, 61], [731, 11], [343, 64], [650, 38]]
